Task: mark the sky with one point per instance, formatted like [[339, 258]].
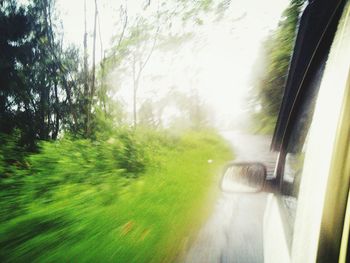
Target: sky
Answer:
[[217, 62]]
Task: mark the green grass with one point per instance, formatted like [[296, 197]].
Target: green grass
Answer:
[[80, 201]]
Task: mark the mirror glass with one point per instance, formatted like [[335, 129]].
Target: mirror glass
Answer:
[[243, 177]]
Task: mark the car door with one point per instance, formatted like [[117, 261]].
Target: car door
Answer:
[[305, 219]]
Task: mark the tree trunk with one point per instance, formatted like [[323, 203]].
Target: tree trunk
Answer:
[[134, 105], [92, 93], [135, 86], [57, 114], [86, 76]]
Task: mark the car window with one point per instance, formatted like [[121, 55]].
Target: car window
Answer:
[[296, 147], [293, 168]]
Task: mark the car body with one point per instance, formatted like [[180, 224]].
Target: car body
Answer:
[[307, 218]]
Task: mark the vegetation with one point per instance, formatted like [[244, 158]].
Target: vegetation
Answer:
[[270, 73], [127, 199], [39, 79], [79, 181]]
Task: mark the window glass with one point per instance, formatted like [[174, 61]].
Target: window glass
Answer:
[[291, 181], [296, 147]]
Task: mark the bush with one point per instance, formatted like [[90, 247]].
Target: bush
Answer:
[[131, 198], [11, 154]]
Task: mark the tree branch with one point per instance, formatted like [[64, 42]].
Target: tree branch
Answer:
[[125, 13]]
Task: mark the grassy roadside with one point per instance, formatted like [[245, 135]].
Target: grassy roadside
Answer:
[[74, 203]]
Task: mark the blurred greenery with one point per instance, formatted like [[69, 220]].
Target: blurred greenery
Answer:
[[77, 183], [271, 70], [134, 197]]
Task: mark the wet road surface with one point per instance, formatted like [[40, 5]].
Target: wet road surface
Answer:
[[233, 233]]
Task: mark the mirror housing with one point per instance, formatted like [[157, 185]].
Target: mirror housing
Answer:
[[243, 177]]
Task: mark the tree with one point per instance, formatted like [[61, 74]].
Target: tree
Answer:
[[147, 116], [92, 91], [39, 80], [140, 57], [86, 75], [141, 35], [270, 73]]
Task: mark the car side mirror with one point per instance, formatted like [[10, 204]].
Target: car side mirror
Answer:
[[243, 177]]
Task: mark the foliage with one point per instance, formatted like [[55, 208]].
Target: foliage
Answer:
[[77, 201], [270, 73], [161, 26], [43, 84], [112, 193], [39, 80], [176, 110]]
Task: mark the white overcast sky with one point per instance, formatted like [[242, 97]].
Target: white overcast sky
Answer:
[[217, 62]]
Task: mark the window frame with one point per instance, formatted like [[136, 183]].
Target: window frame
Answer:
[[317, 62]]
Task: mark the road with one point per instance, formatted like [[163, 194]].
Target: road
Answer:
[[233, 233]]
